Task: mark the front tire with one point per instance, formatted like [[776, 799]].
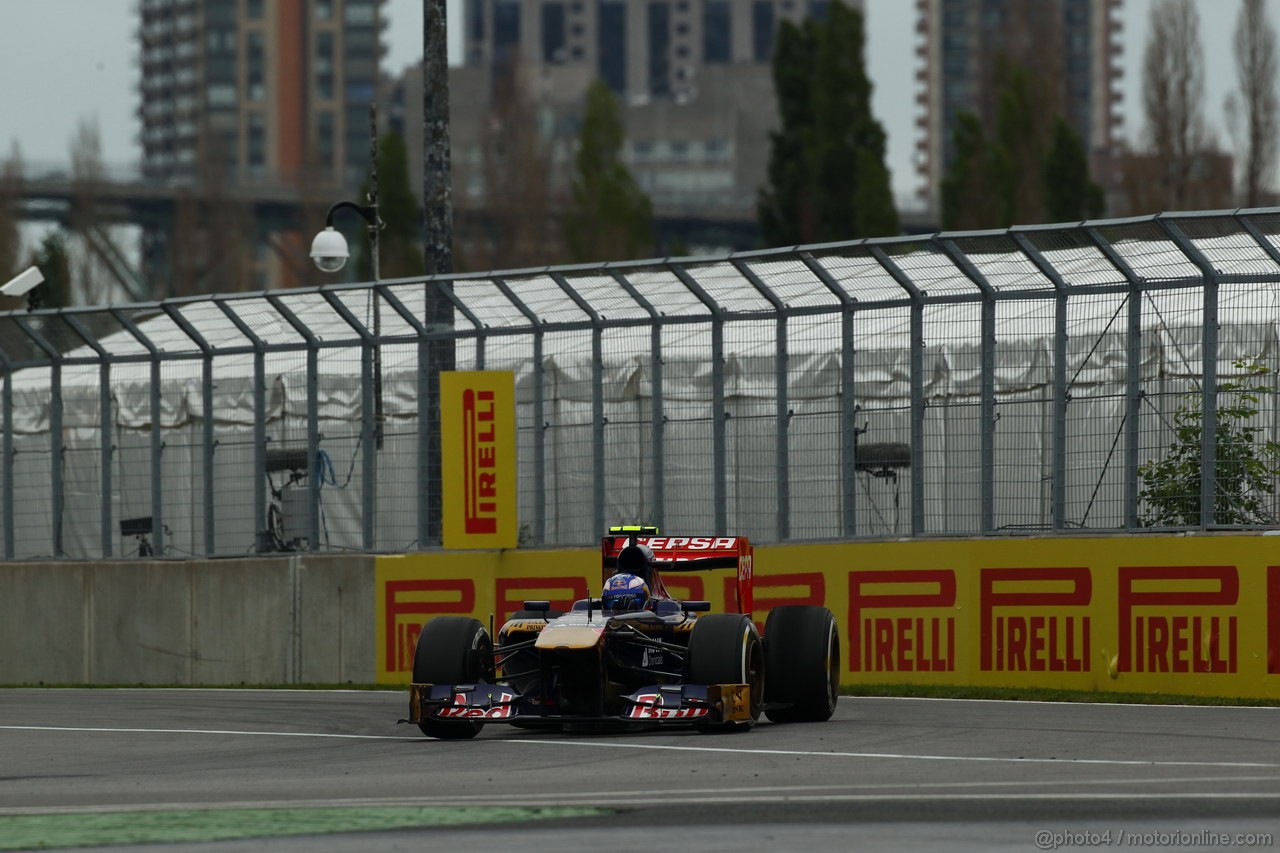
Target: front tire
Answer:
[[452, 650], [802, 657], [725, 648]]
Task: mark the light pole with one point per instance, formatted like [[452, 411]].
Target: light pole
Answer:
[[330, 253]]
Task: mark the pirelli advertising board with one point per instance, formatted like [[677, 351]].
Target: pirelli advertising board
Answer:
[[1187, 615], [478, 452]]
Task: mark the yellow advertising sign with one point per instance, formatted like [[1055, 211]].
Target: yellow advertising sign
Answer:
[[478, 452], [1197, 615]]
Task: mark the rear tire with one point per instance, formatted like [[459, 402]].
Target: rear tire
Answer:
[[452, 650], [802, 657], [725, 648]]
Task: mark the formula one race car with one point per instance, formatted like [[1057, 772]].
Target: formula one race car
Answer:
[[632, 657]]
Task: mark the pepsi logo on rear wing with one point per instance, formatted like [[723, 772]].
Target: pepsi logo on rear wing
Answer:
[[678, 548]]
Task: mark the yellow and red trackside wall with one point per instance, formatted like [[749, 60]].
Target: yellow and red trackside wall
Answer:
[[1187, 615]]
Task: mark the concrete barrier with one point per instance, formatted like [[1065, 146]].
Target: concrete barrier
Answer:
[[264, 620]]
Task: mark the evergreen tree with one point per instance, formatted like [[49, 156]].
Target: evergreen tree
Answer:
[[827, 175], [1070, 195], [611, 218], [1033, 169], [969, 198], [399, 246], [786, 212], [55, 266]]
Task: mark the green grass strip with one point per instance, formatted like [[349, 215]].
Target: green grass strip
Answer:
[[1044, 694], [91, 829]]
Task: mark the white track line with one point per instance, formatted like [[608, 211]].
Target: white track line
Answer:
[[669, 747], [634, 799]]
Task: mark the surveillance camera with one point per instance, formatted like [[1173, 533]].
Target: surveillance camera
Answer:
[[329, 250], [26, 280]]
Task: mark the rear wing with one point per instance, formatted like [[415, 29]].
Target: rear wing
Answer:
[[689, 554]]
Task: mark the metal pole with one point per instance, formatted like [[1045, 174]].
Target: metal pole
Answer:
[[848, 400], [719, 413], [539, 415], [55, 430], [1060, 391], [206, 424], [597, 402], [259, 423], [7, 405], [438, 238], [917, 384], [657, 418], [987, 383], [1133, 375], [1208, 372], [782, 410]]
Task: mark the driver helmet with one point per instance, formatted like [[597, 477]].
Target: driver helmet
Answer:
[[625, 592]]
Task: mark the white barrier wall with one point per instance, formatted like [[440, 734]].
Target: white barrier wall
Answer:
[[279, 620]]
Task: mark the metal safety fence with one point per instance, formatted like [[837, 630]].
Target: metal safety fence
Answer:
[[1001, 382]]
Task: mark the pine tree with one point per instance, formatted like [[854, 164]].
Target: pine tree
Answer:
[[1070, 195], [399, 248], [827, 175], [55, 266], [611, 218]]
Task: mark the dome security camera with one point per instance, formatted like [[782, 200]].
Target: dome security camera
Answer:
[[329, 250]]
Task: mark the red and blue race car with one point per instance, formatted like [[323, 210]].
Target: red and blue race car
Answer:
[[635, 656]]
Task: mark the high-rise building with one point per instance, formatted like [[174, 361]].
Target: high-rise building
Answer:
[[693, 78], [260, 95], [258, 90], [1075, 43]]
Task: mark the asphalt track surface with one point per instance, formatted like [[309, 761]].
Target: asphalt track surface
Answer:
[[883, 774]]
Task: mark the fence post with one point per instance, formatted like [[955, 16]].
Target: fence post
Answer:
[[104, 418], [157, 441], [1058, 451], [656, 415], [1208, 372], [539, 416], [6, 404], [597, 402], [719, 414], [313, 418], [848, 402], [259, 420], [206, 425], [986, 460], [917, 384], [55, 432], [1133, 375], [782, 448]]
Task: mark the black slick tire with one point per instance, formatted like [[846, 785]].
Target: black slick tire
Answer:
[[802, 657], [725, 648], [452, 650]]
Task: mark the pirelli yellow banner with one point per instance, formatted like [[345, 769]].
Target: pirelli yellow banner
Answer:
[[478, 449]]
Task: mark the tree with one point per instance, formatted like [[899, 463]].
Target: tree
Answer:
[[516, 226], [968, 198], [1254, 118], [1032, 169], [610, 217], [10, 234], [1245, 468], [786, 210], [54, 263], [399, 242], [827, 173], [1173, 97], [1070, 194]]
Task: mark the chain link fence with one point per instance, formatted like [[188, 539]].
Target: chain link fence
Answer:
[[997, 382]]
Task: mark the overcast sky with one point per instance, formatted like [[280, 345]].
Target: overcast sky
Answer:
[[63, 60]]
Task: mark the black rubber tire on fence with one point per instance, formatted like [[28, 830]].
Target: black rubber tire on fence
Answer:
[[802, 657], [452, 650], [725, 648]]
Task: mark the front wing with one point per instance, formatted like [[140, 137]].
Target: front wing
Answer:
[[502, 703]]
